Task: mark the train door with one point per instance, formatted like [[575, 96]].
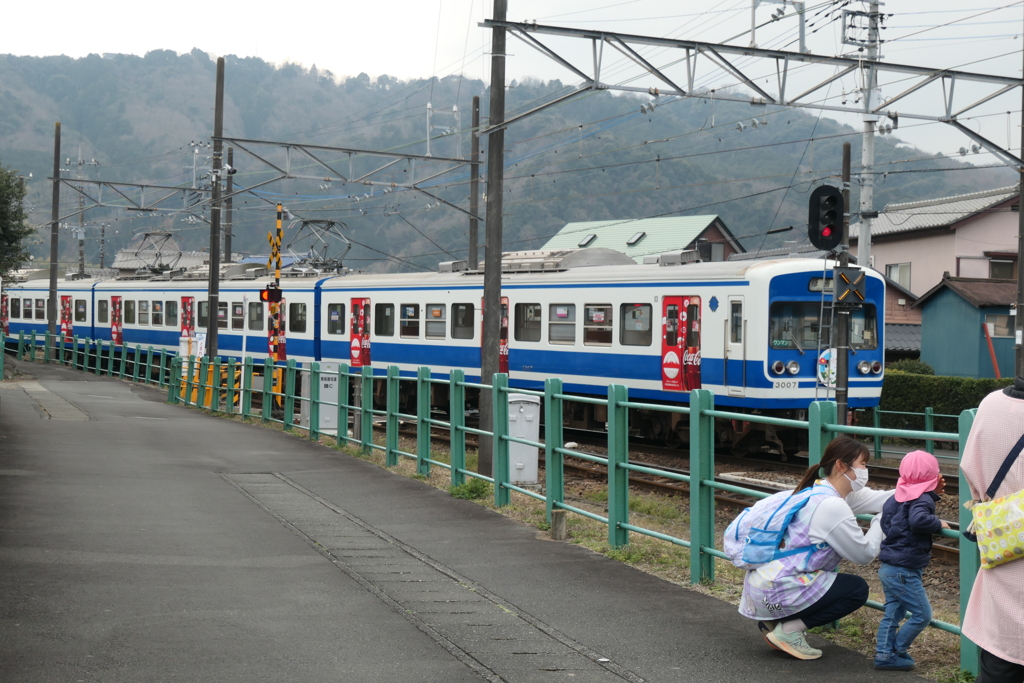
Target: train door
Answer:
[[673, 339], [4, 325], [359, 349], [691, 334], [67, 329], [735, 373], [116, 329], [502, 335]]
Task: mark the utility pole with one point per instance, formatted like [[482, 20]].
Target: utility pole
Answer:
[[51, 302], [213, 319], [103, 244], [867, 154], [474, 185], [841, 314], [229, 205], [489, 353], [81, 210]]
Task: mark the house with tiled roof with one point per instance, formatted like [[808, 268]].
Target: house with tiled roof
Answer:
[[640, 237], [969, 235]]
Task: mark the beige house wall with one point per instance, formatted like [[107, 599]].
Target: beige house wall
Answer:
[[902, 313], [928, 257]]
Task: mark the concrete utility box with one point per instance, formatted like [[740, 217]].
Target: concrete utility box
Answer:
[[328, 394], [523, 423]]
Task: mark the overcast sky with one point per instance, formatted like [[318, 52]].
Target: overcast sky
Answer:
[[419, 38]]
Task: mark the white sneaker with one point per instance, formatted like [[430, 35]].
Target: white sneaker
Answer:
[[794, 644]]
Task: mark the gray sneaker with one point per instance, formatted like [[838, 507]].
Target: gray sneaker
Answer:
[[794, 644]]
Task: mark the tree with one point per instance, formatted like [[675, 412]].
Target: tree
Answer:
[[13, 226]]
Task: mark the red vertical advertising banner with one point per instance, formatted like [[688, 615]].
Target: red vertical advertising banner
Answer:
[[672, 338], [359, 346], [3, 316], [276, 346], [67, 330], [116, 326], [691, 355], [188, 316]]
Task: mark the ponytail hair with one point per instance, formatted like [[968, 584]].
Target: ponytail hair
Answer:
[[841, 449]]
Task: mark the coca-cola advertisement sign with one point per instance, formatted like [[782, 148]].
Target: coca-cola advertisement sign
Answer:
[[680, 345]]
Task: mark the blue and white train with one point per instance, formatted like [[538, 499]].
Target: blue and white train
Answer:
[[752, 332]]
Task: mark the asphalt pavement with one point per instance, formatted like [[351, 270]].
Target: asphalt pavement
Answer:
[[141, 541]]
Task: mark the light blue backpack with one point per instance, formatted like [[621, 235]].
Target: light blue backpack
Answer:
[[756, 536]]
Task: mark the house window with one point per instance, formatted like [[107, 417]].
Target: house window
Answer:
[[296, 317], [597, 325], [899, 273], [102, 311], [410, 325], [336, 319], [999, 325], [527, 327], [562, 324], [635, 324], [462, 321], [80, 311], [1000, 269], [384, 322]]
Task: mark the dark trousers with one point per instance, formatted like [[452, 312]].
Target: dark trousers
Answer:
[[847, 595], [997, 670]]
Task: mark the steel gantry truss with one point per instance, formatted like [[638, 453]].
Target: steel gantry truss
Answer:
[[720, 57], [371, 178]]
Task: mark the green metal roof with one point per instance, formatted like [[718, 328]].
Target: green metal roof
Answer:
[[663, 234]]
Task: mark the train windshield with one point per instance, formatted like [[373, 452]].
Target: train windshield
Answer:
[[796, 325]]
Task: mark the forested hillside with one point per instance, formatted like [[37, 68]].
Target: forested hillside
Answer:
[[595, 158]]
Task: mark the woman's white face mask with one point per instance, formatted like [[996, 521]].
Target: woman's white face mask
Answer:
[[860, 479]]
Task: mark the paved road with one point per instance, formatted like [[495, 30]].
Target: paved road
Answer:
[[146, 542]]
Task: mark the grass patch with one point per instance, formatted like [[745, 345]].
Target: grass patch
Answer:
[[473, 489]]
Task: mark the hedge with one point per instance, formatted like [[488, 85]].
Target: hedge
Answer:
[[910, 393]]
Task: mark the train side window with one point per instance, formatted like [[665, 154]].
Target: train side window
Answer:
[[171, 313], [143, 312], [40, 309], [129, 312], [296, 317], [81, 315], [862, 328], [336, 319], [436, 321], [528, 322], [635, 324], [384, 320], [15, 308], [222, 315], [410, 325], [102, 311], [562, 323], [597, 325], [693, 328], [158, 313], [736, 322], [462, 321], [671, 325], [256, 315], [237, 315], [203, 315]]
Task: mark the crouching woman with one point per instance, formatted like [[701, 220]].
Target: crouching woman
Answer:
[[801, 590]]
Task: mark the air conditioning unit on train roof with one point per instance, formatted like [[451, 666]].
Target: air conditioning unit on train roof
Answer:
[[540, 261], [673, 258]]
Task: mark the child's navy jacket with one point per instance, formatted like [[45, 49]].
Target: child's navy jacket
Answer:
[[908, 529]]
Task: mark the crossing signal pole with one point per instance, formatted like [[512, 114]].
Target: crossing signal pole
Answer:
[[272, 295]]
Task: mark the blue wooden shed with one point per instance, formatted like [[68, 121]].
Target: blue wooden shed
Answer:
[[965, 323]]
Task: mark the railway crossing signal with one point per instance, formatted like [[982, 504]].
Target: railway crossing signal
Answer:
[[271, 295], [825, 218], [849, 287]]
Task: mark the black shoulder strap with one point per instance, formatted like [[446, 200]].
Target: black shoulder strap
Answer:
[[1011, 458]]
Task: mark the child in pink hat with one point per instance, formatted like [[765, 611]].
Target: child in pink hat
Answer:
[[908, 522]]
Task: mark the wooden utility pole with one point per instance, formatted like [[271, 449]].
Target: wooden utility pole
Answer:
[[51, 302], [489, 353], [841, 314], [228, 206], [474, 186], [213, 317]]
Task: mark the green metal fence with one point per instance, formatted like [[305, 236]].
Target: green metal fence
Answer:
[[267, 391], [928, 416]]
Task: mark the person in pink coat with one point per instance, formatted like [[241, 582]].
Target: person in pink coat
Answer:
[[995, 612]]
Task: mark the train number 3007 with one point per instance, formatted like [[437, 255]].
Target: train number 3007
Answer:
[[786, 385]]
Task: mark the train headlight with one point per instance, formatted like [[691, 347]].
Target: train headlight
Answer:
[[793, 367], [778, 367], [876, 367], [864, 367]]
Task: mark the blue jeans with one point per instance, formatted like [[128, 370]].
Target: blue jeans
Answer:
[[903, 592]]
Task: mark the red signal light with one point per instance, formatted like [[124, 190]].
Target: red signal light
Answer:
[[826, 231]]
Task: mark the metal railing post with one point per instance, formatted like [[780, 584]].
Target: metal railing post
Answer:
[[391, 423], [929, 426], [289, 395], [499, 449], [821, 415], [422, 423], [876, 422], [137, 362], [344, 383], [215, 373], [46, 349], [618, 455], [970, 561], [268, 387], [702, 497], [3, 352], [366, 408], [554, 463], [190, 384], [457, 419], [147, 369], [314, 402], [99, 358], [124, 363], [172, 384], [246, 402], [32, 348], [21, 345]]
